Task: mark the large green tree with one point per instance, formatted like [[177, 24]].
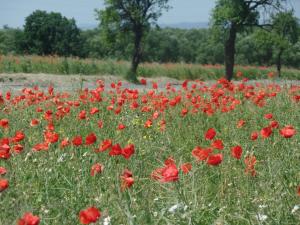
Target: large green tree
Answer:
[[131, 17], [232, 17], [51, 33]]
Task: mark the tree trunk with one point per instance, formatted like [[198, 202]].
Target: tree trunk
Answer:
[[279, 62], [230, 52], [137, 54]]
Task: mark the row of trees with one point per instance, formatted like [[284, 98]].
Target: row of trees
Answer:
[[127, 30]]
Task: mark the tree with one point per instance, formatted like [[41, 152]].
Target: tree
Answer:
[[232, 17], [284, 34], [51, 33], [135, 16]]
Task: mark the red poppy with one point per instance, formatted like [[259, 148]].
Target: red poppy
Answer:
[[100, 124], [34, 122], [41, 146], [2, 170], [148, 123], [168, 173], [240, 123], [115, 150], [65, 142], [287, 132], [274, 124], [186, 168], [217, 144], [184, 112], [94, 110], [298, 190], [29, 219], [4, 151], [237, 152], [96, 168], [89, 215], [201, 154], [126, 179], [106, 144], [210, 134], [77, 141], [19, 136], [3, 184], [90, 139], [250, 162], [121, 126], [4, 123], [143, 81], [266, 132], [254, 136], [51, 137], [82, 115], [214, 160], [268, 116], [18, 148], [154, 85], [128, 151]]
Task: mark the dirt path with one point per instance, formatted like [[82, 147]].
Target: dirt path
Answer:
[[16, 82]]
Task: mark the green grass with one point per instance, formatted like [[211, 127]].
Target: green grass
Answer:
[[58, 65], [56, 184]]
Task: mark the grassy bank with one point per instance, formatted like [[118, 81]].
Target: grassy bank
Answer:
[[58, 65]]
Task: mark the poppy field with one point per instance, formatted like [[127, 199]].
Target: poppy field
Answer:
[[221, 153]]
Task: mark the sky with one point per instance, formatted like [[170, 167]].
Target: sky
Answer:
[[14, 12]]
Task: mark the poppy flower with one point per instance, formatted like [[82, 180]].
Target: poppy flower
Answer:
[[18, 148], [29, 219], [274, 124], [254, 136], [82, 115], [3, 184], [237, 152], [4, 151], [4, 123], [214, 160], [240, 123], [148, 123], [89, 215], [287, 132], [266, 132], [90, 139], [298, 190], [121, 126], [128, 151], [143, 81], [77, 141], [94, 110], [201, 154], [100, 124], [168, 173], [106, 144], [184, 112], [2, 170], [51, 137], [210, 134], [268, 116], [19, 136], [115, 150], [126, 179], [41, 146], [96, 168], [65, 142], [34, 122], [217, 144], [186, 168], [250, 162], [154, 85]]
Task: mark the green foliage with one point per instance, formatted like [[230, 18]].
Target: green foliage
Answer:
[[51, 33]]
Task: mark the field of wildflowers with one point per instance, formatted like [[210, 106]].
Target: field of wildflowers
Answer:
[[181, 71], [199, 154]]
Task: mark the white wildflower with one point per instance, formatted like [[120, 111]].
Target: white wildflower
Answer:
[[296, 207], [106, 221], [261, 217]]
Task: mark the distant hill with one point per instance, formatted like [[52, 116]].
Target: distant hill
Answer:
[[183, 25]]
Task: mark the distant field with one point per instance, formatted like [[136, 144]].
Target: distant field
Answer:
[[58, 65]]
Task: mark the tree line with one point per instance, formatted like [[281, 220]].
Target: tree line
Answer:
[[128, 31]]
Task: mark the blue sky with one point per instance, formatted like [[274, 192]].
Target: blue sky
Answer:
[[13, 12]]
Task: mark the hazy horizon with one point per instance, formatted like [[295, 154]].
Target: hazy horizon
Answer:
[[13, 13]]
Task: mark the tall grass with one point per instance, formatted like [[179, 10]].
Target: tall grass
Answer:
[[60, 65]]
